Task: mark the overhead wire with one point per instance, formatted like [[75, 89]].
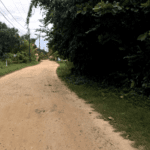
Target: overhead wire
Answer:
[[7, 20], [22, 7], [10, 13], [13, 17], [17, 9]]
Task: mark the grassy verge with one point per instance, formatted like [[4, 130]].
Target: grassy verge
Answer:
[[14, 66], [127, 116]]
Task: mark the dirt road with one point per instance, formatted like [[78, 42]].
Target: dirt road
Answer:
[[38, 117]]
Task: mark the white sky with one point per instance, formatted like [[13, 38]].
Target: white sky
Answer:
[[19, 10]]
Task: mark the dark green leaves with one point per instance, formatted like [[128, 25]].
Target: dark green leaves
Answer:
[[142, 37]]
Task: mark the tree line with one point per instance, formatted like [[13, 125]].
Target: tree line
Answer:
[[106, 40]]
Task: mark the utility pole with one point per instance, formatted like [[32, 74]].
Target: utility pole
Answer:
[[39, 38], [29, 44]]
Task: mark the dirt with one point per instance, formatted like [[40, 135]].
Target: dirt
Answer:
[[36, 116]]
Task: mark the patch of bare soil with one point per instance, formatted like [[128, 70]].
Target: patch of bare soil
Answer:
[[38, 117]]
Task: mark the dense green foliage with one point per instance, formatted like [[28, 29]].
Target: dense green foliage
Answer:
[[130, 115], [11, 42], [110, 35], [9, 39], [41, 51]]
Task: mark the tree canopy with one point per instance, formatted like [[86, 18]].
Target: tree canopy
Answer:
[[101, 33]]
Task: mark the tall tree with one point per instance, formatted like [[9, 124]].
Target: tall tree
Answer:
[[109, 25], [9, 39]]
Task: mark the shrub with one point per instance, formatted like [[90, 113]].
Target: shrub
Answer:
[[8, 56], [1, 65], [24, 57], [39, 59], [25, 60], [9, 61], [20, 56], [33, 58]]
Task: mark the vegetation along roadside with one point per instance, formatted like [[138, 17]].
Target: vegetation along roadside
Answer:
[[13, 66], [121, 108], [116, 106]]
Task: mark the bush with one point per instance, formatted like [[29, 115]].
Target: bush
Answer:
[[8, 56], [1, 65], [24, 57], [9, 61], [21, 56], [51, 59], [25, 60], [39, 59]]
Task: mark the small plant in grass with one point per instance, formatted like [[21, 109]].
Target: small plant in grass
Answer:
[[1, 65], [9, 61], [10, 56]]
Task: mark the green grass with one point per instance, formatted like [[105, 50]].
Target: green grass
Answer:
[[13, 67], [130, 116]]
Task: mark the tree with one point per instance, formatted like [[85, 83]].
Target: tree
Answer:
[[32, 40], [34, 46], [110, 35], [10, 39]]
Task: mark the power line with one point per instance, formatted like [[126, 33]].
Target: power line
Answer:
[[10, 13], [13, 17], [6, 19], [22, 7], [12, 24], [17, 8]]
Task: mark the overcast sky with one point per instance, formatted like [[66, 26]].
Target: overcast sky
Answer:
[[19, 10]]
